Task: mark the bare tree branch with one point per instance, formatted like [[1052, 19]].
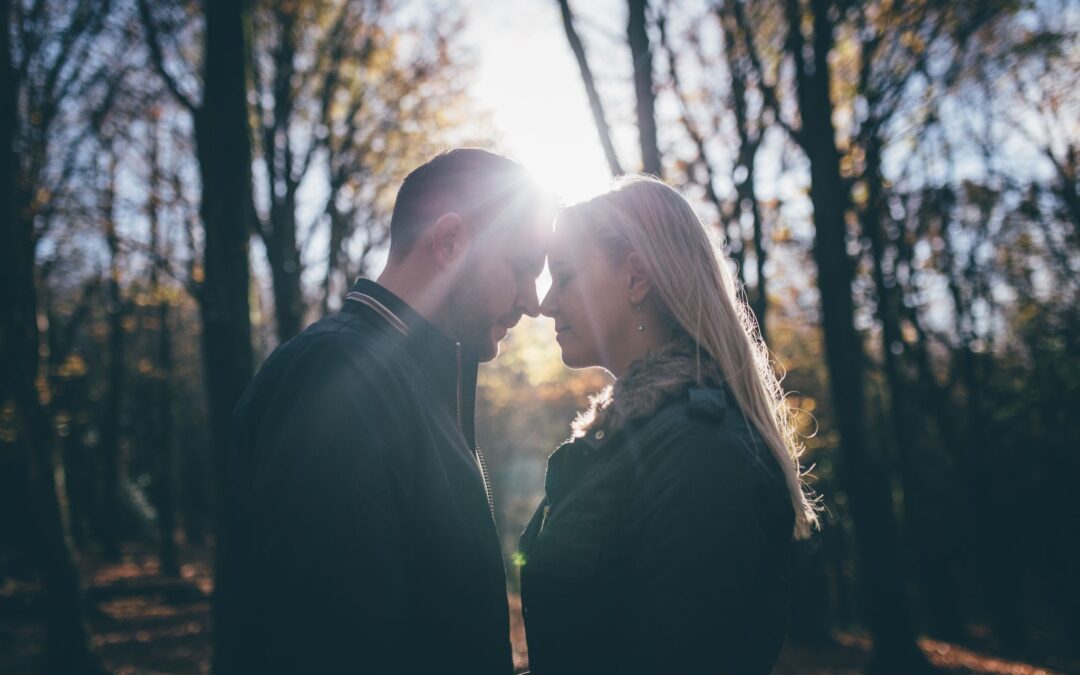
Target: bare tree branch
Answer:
[[602, 128], [157, 58]]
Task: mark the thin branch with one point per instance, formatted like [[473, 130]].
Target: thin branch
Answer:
[[687, 119], [602, 128], [768, 91], [157, 58]]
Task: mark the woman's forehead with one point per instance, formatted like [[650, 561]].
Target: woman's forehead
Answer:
[[562, 243], [569, 244]]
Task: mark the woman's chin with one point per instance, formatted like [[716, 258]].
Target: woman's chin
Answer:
[[575, 361]]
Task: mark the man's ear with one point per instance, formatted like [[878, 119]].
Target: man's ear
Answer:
[[639, 284], [448, 239]]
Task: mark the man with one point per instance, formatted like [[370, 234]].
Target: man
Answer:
[[362, 523]]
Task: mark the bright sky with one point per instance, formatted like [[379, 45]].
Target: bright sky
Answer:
[[528, 79]]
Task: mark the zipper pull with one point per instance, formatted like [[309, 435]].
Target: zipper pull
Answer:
[[547, 512]]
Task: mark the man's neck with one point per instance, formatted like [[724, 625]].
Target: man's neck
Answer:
[[426, 298]]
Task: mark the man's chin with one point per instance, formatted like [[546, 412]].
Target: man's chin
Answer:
[[485, 349], [488, 353]]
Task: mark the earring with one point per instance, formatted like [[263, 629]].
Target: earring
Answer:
[[641, 324]]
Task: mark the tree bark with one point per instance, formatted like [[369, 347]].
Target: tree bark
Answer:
[[224, 152], [30, 434], [110, 426], [928, 523], [284, 259], [641, 52], [865, 476], [279, 234], [163, 480], [746, 190], [70, 397]]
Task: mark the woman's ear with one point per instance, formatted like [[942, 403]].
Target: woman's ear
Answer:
[[448, 240], [639, 284]]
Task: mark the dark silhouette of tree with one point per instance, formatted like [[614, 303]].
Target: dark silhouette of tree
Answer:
[[865, 475], [642, 54], [224, 155], [46, 67], [164, 475]]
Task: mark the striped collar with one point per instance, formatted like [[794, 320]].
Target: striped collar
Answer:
[[391, 308], [449, 366], [381, 309]]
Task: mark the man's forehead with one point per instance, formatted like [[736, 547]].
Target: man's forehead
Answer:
[[531, 245]]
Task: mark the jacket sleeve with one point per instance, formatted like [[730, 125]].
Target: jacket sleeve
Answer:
[[696, 545], [330, 499]]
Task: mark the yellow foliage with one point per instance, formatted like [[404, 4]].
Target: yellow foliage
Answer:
[[73, 366]]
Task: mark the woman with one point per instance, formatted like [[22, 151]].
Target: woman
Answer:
[[663, 543]]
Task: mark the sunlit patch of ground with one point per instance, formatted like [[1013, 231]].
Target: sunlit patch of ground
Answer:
[[848, 654], [142, 622]]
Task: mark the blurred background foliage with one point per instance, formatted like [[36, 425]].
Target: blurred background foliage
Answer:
[[897, 186]]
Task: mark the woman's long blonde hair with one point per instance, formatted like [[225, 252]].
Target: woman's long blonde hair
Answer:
[[696, 288]]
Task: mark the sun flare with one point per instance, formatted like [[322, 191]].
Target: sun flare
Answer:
[[537, 102]]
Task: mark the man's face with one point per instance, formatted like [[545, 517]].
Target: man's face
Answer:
[[498, 284]]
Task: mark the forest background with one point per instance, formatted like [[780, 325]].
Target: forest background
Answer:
[[186, 185]]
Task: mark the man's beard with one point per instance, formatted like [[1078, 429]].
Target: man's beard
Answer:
[[471, 328]]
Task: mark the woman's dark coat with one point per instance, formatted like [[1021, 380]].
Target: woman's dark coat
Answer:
[[664, 541]]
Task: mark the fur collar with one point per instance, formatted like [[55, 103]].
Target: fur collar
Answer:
[[649, 383]]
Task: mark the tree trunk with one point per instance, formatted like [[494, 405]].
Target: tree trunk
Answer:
[[170, 565], [224, 153], [337, 259], [924, 493], [865, 477], [110, 426], [69, 397], [641, 52], [746, 191], [31, 439], [163, 480], [284, 259], [279, 234]]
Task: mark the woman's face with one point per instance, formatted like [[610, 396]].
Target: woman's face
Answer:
[[589, 300]]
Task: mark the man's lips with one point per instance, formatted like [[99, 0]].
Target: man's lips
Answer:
[[508, 324], [504, 326]]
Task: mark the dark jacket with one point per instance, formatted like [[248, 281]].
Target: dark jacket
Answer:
[[663, 544], [362, 530]]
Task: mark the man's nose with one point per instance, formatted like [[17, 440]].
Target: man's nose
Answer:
[[547, 307], [528, 302]]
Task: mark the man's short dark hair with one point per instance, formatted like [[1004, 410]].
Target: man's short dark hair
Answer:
[[482, 186]]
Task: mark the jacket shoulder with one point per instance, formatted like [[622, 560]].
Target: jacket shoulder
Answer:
[[704, 435], [345, 354]]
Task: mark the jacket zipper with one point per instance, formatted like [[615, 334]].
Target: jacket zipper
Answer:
[[479, 456], [397, 323], [547, 512]]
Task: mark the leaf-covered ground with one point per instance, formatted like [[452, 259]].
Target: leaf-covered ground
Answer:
[[143, 623]]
